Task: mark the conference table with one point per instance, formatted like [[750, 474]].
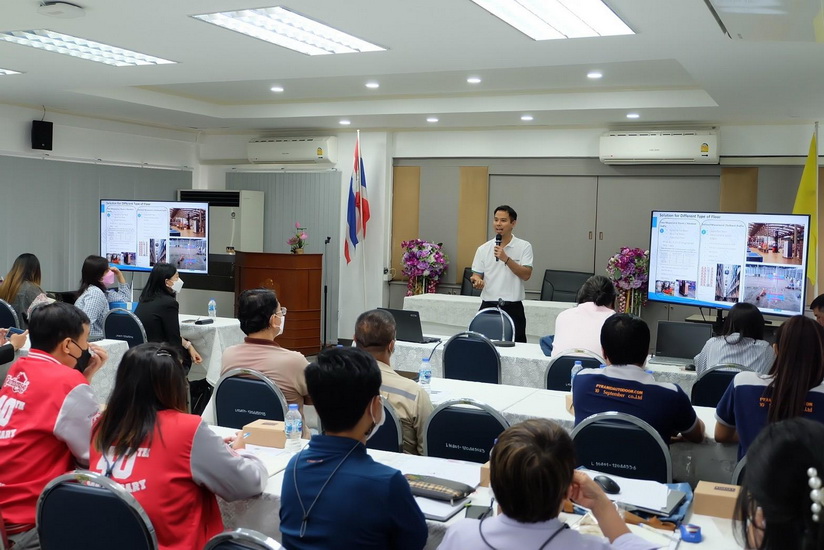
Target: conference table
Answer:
[[450, 314], [210, 341]]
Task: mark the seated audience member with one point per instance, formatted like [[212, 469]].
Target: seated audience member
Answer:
[[10, 344], [47, 431], [335, 496], [173, 462], [793, 387], [580, 327], [158, 310], [817, 306], [93, 296], [742, 342], [262, 319], [775, 503], [375, 334], [22, 285], [665, 407], [532, 472]]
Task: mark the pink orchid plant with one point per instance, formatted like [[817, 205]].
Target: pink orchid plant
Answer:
[[300, 238]]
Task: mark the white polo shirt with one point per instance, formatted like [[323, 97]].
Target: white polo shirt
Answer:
[[499, 280]]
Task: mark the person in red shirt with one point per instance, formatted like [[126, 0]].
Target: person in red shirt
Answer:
[[170, 461], [46, 413]]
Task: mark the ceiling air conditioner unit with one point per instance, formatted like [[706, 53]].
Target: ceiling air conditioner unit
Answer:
[[660, 147], [293, 150]]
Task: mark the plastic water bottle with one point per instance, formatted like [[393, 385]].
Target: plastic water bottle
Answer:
[[576, 368], [425, 375], [294, 428], [212, 308]]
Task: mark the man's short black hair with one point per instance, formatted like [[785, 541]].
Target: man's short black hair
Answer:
[[341, 383], [818, 303], [374, 329], [52, 323], [509, 210], [254, 309], [625, 339]]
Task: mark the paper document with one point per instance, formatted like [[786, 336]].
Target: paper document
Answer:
[[637, 492], [275, 459], [440, 510]]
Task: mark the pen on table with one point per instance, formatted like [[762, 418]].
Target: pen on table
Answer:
[[658, 531]]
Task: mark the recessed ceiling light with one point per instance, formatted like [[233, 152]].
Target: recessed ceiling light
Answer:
[[633, 115], [288, 29], [56, 42], [276, 89], [373, 85], [473, 80], [4, 72], [432, 119], [595, 74], [345, 122], [527, 118], [551, 19]]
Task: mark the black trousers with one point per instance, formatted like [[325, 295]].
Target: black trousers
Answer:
[[516, 311]]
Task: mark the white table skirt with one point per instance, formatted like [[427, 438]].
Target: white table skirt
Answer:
[[210, 341], [450, 314]]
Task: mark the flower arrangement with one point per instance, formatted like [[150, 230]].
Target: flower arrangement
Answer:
[[424, 263], [629, 271], [299, 240]]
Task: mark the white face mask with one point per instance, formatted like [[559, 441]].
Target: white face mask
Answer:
[[177, 286], [378, 423], [281, 325]]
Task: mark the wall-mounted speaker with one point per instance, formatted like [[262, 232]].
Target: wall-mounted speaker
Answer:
[[41, 135]]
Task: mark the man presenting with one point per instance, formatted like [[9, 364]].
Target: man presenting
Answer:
[[500, 268]]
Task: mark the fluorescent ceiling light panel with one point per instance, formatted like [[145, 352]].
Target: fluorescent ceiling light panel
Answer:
[[554, 19], [80, 47], [288, 29], [4, 72], [276, 89]]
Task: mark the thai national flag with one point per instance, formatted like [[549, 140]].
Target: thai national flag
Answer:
[[357, 211]]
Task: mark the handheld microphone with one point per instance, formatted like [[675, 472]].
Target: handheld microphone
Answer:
[[498, 239]]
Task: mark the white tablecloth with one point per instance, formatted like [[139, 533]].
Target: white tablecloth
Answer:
[[210, 341], [450, 314]]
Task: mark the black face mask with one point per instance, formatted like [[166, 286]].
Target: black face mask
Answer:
[[83, 360]]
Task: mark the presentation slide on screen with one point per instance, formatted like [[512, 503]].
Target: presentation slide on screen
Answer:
[[135, 235], [719, 259]]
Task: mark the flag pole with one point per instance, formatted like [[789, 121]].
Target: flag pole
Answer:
[[818, 244], [360, 221]]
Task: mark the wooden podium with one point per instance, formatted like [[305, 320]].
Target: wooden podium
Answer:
[[297, 281]]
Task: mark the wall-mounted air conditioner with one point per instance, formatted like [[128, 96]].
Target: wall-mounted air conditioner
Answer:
[[660, 147], [293, 150], [235, 218]]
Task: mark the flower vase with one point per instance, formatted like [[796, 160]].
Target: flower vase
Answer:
[[297, 251], [631, 301], [420, 285]]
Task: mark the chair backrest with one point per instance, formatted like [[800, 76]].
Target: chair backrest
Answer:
[[624, 445], [738, 472], [559, 370], [8, 317], [471, 356], [242, 539], [4, 540], [84, 509], [466, 284], [562, 286], [122, 324], [389, 437], [245, 395], [462, 429], [711, 384], [493, 323]]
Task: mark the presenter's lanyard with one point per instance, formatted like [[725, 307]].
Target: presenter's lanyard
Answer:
[[547, 541]]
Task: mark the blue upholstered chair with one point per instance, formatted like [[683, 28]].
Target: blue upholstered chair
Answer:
[[462, 429], [122, 324], [562, 286], [244, 395], [8, 317], [471, 356], [494, 324], [711, 384], [559, 370], [389, 437], [242, 539]]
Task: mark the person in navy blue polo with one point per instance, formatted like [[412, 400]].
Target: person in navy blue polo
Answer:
[[623, 386]]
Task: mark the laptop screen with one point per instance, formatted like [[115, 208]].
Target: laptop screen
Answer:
[[684, 340]]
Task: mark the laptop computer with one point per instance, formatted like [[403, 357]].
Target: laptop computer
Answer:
[[408, 326], [677, 343]]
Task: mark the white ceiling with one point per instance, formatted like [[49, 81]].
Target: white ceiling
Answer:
[[680, 67]]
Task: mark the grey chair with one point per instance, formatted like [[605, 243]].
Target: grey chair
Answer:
[[87, 510], [562, 286], [711, 384], [242, 539], [389, 437], [624, 445], [245, 395], [471, 356], [738, 472], [493, 323], [8, 317], [462, 429], [122, 324], [559, 370], [466, 284]]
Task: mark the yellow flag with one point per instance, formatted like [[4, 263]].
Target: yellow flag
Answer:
[[806, 202]]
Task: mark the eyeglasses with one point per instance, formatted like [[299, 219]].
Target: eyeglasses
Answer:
[[282, 312]]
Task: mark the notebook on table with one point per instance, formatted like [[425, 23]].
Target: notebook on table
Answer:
[[408, 326], [677, 343]]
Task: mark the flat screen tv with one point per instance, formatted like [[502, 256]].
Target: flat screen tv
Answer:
[[135, 235], [717, 259]]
